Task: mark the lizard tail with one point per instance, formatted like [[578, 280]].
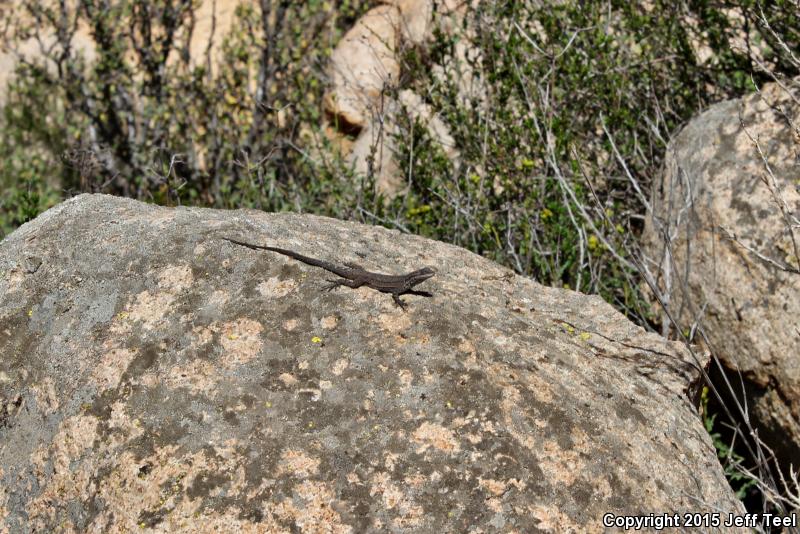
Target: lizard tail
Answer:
[[248, 245]]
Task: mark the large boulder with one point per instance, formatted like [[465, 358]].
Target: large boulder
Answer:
[[157, 376], [722, 245]]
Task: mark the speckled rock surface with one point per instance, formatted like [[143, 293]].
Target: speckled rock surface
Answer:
[[715, 188], [154, 376]]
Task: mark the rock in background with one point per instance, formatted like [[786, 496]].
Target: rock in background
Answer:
[[156, 376], [361, 114], [212, 20], [723, 244]]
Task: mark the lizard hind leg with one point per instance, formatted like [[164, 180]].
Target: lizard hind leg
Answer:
[[332, 285], [354, 266], [342, 282]]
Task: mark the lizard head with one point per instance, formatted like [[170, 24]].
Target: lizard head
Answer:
[[420, 275]]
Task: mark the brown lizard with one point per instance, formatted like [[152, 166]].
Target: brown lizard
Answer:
[[354, 276]]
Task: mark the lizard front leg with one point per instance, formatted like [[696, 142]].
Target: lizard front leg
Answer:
[[398, 301]]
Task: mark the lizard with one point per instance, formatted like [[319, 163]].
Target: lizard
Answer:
[[355, 276]]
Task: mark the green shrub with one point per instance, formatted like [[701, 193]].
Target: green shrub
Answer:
[[570, 126], [145, 120]]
